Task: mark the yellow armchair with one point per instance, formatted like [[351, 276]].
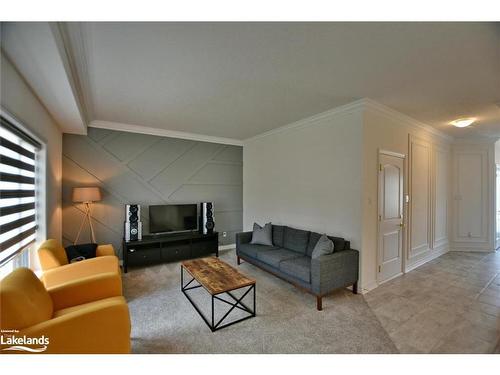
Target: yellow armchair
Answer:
[[52, 254], [81, 282], [28, 309]]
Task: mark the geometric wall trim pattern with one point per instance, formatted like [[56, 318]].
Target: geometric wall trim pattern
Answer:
[[147, 170]]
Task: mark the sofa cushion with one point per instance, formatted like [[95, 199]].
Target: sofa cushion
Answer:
[[298, 267], [313, 239], [324, 246], [278, 235], [252, 250], [262, 235], [296, 240], [274, 257]]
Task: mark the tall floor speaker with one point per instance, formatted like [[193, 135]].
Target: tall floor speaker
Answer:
[[133, 224], [207, 221]]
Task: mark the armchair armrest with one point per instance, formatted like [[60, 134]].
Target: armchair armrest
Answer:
[[243, 237], [102, 327], [336, 270], [86, 289], [103, 250]]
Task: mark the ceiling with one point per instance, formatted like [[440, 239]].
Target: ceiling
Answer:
[[237, 80], [35, 52]]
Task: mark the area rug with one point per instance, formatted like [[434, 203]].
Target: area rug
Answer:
[[163, 320]]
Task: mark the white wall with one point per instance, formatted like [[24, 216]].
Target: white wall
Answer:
[[427, 174], [307, 176], [18, 99], [473, 224], [321, 174]]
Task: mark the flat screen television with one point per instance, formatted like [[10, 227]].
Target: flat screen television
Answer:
[[173, 218]]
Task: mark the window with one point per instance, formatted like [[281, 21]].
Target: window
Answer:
[[18, 189]]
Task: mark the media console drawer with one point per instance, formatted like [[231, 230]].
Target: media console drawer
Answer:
[[169, 248], [138, 256], [175, 252]]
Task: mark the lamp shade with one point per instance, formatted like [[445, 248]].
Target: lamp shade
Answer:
[[86, 194]]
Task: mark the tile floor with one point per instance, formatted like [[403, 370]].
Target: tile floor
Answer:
[[449, 305]]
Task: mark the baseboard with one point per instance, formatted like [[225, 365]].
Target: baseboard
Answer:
[[227, 247], [390, 278], [472, 250], [366, 288], [432, 255]]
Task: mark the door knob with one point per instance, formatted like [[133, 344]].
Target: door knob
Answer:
[[401, 225]]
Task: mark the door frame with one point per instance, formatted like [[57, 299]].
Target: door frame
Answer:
[[404, 208]]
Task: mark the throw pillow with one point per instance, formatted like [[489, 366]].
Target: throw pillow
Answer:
[[81, 252], [262, 235], [324, 246]]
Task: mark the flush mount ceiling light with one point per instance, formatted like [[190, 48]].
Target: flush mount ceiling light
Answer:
[[462, 122]]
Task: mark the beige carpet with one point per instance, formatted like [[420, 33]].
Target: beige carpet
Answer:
[[163, 320]]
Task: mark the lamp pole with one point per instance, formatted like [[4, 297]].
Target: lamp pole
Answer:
[[86, 217]]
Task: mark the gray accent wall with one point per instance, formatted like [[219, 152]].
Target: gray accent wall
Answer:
[[148, 170]]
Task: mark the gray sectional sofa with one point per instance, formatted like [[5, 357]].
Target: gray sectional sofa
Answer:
[[290, 259]]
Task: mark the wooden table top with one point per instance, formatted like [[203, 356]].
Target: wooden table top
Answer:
[[215, 275]]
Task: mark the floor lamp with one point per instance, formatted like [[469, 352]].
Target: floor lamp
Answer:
[[87, 196]]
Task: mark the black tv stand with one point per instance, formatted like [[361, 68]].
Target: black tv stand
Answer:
[[169, 247]]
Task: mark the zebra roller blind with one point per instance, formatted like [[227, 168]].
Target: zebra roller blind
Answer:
[[18, 182]]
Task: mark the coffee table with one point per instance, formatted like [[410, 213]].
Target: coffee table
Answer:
[[218, 278]]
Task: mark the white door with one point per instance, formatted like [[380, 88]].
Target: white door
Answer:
[[390, 205]]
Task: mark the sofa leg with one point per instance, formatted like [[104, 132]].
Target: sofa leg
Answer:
[[355, 288], [238, 260], [319, 303]]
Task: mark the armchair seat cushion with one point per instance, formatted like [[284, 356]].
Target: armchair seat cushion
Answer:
[[275, 257], [297, 267]]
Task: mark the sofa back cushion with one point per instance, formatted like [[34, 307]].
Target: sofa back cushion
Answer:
[[338, 243], [296, 240], [313, 240], [24, 301], [278, 235]]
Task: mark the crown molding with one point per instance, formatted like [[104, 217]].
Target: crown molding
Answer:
[[392, 113], [312, 120], [38, 54], [64, 47], [118, 126], [358, 105], [72, 45]]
